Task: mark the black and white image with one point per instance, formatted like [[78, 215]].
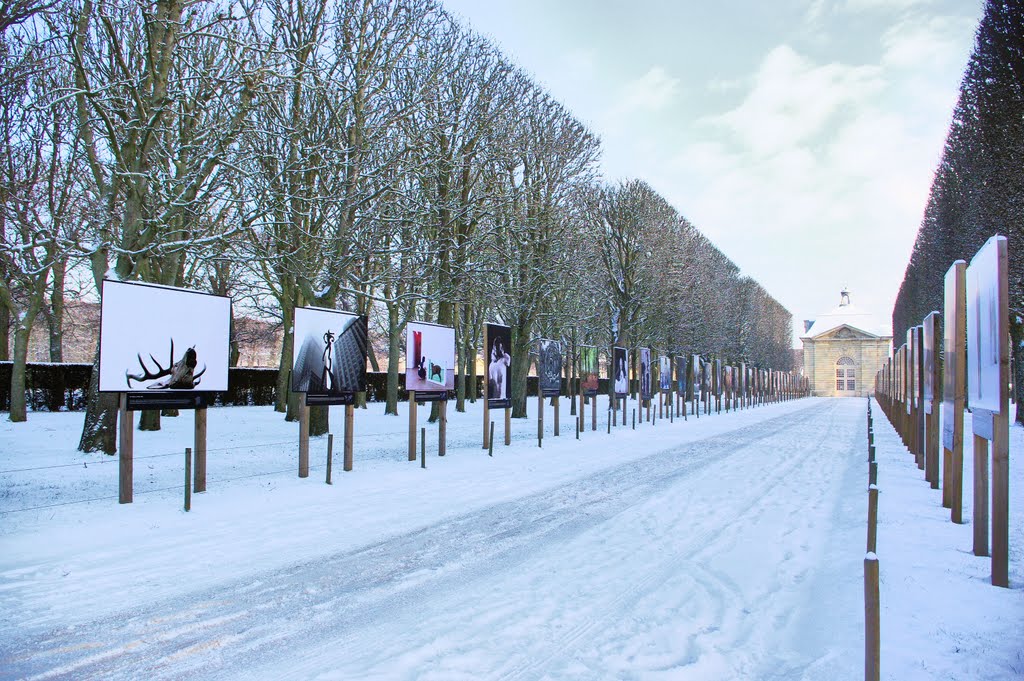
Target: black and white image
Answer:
[[549, 368], [329, 353], [645, 373], [429, 357], [619, 372], [983, 342], [160, 338], [499, 366], [682, 384]]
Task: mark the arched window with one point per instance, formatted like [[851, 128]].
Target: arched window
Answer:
[[846, 374]]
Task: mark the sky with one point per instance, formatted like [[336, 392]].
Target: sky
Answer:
[[800, 136]]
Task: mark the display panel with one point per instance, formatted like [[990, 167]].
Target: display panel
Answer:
[[645, 373], [549, 368], [160, 338], [682, 377], [665, 373], [499, 366], [429, 357], [619, 372], [588, 370], [952, 350], [983, 341], [328, 355]]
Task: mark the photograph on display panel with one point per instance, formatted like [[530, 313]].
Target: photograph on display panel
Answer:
[[952, 358], [645, 373], [549, 367], [329, 353], [429, 357], [588, 370], [928, 342], [682, 384], [696, 376], [499, 366], [665, 373], [983, 342], [619, 372], [728, 382], [160, 338]]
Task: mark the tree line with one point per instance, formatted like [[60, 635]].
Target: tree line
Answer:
[[373, 156], [978, 188]]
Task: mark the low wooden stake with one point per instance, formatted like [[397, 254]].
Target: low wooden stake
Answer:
[[423, 447], [490, 441], [872, 517], [188, 479], [350, 423], [872, 624], [330, 456]]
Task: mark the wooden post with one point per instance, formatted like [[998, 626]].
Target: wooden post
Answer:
[[579, 422], [412, 426], [614, 409], [557, 400], [199, 484], [442, 429], [423, 447], [486, 409], [593, 413], [954, 385], [980, 519], [350, 423], [508, 426], [872, 517], [490, 440], [188, 479], [330, 456], [540, 414], [303, 437], [634, 419], [623, 412], [872, 624], [1000, 498], [125, 422]]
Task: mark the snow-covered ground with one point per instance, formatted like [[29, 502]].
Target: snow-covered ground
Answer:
[[729, 546]]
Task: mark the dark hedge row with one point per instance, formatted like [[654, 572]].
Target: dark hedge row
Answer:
[[63, 387], [978, 188]]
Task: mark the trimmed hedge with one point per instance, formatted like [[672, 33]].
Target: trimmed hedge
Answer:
[[63, 387]]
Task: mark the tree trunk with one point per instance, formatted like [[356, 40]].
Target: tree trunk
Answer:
[[391, 403], [520, 370], [5, 334], [319, 421], [460, 360], [19, 409], [233, 352], [149, 419], [99, 433], [285, 365], [55, 313]]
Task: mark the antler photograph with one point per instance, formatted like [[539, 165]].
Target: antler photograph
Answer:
[[160, 338]]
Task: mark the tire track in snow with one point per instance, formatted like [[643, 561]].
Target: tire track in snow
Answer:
[[337, 598], [687, 557]]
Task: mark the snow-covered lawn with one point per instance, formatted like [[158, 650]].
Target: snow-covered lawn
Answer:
[[728, 546]]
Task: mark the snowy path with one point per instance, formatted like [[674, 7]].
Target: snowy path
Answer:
[[711, 559]]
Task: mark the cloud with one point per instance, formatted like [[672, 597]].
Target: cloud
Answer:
[[793, 100], [652, 92]]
